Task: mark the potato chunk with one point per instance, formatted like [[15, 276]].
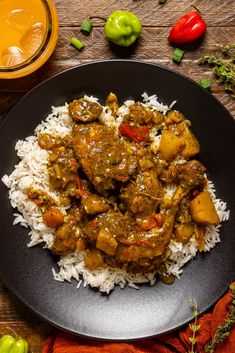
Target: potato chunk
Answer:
[[178, 140], [183, 232], [192, 146], [170, 145], [203, 210]]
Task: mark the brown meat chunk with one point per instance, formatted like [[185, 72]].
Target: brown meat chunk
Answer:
[[190, 176], [104, 158], [142, 196], [116, 235], [85, 111], [138, 114], [93, 259], [149, 244], [94, 204], [106, 242], [53, 217], [47, 141], [68, 233], [62, 167], [64, 240], [113, 222]]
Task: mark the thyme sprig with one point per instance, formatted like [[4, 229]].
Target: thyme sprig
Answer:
[[224, 329], [194, 326], [223, 67]]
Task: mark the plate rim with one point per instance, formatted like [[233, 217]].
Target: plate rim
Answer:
[[15, 107]]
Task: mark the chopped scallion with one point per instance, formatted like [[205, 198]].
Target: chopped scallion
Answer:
[[86, 26], [162, 1], [178, 55], [205, 83], [77, 43]]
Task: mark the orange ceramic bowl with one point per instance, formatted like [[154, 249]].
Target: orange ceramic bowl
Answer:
[[44, 51]]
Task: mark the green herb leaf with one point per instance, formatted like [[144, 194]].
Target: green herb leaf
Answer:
[[192, 340], [223, 67], [77, 43], [162, 1], [195, 327], [178, 55]]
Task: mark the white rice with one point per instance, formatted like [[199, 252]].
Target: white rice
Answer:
[[32, 170]]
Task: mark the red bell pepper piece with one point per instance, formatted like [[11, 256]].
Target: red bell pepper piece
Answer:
[[159, 219], [188, 28], [137, 134], [152, 221], [148, 223], [82, 189]]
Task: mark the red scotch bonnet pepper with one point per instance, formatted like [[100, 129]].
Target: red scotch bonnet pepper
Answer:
[[137, 134], [188, 28]]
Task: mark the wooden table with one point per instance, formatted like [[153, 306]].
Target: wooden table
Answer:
[[152, 47]]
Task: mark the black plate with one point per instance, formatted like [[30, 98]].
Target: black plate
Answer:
[[125, 314]]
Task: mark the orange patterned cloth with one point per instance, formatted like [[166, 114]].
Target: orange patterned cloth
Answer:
[[175, 342]]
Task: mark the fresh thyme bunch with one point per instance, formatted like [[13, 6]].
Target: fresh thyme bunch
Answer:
[[194, 327], [223, 67], [224, 329]]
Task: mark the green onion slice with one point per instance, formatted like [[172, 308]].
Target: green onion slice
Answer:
[[205, 83], [77, 43], [86, 26], [178, 55]]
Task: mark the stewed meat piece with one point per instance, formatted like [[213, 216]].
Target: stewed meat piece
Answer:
[[190, 176], [104, 158], [68, 234], [83, 110], [138, 114], [94, 204], [143, 194]]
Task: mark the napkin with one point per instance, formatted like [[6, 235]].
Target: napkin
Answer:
[[175, 342]]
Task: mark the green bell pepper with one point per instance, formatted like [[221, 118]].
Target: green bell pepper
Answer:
[[8, 344], [122, 28]]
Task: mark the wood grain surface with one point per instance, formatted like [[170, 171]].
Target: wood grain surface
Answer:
[[152, 47]]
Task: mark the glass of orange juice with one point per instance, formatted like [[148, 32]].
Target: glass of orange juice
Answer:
[[29, 31]]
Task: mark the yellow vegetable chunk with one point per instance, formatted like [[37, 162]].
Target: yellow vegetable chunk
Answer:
[[203, 210], [183, 232], [178, 140], [192, 146], [170, 145]]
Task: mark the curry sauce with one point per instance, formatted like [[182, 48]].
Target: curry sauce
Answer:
[[114, 187]]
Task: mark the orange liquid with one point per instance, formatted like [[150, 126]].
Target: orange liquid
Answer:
[[22, 26]]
